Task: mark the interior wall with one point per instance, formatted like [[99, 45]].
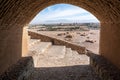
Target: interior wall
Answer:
[[110, 42], [13, 38], [25, 41], [10, 47]]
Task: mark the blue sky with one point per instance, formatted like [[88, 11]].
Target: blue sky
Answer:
[[63, 13]]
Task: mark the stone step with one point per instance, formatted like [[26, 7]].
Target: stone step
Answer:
[[68, 52], [56, 52], [33, 41], [40, 48], [29, 37], [80, 58], [52, 57], [74, 58]]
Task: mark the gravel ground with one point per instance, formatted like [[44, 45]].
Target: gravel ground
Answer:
[[78, 39], [72, 67], [79, 72]]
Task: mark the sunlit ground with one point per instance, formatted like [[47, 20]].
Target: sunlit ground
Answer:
[[92, 35]]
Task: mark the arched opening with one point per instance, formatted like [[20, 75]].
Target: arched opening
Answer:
[[58, 19], [105, 19], [52, 31]]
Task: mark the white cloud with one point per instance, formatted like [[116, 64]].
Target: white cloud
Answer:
[[63, 13], [69, 13]]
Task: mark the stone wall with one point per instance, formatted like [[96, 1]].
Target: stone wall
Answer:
[[10, 47], [110, 42], [13, 45], [104, 68], [55, 41], [19, 71]]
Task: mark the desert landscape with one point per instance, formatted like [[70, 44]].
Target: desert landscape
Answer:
[[82, 34], [54, 60], [88, 39]]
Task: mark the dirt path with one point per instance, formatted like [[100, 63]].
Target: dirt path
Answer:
[[80, 72], [72, 66]]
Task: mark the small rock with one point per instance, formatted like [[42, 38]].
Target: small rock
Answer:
[[60, 34], [82, 35], [88, 37], [68, 36], [90, 41]]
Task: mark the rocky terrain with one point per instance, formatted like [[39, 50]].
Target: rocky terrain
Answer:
[[88, 39], [55, 62]]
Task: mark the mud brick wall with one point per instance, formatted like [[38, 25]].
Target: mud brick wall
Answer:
[[19, 71], [44, 38], [105, 69]]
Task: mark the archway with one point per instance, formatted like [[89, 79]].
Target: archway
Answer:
[[16, 14], [81, 25]]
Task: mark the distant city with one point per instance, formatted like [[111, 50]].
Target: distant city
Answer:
[[65, 26]]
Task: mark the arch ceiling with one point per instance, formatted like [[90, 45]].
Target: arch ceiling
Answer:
[[20, 13]]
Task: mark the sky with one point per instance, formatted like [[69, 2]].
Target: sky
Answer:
[[63, 13]]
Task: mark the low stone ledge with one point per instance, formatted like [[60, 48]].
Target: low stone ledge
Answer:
[[19, 71], [55, 41], [105, 69]]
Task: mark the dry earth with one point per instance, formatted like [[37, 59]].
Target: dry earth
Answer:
[[79, 38], [60, 63]]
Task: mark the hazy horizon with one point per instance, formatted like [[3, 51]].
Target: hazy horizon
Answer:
[[63, 13]]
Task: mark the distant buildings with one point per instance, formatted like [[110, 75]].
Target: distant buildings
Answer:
[[65, 26]]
